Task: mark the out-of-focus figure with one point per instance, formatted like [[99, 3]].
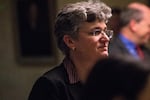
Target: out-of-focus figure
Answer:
[[118, 79], [134, 32]]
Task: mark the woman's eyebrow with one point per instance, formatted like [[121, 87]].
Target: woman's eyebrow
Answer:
[[99, 28]]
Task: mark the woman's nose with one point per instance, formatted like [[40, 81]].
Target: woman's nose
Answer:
[[104, 38]]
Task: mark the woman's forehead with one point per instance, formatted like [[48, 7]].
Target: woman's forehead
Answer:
[[91, 25]]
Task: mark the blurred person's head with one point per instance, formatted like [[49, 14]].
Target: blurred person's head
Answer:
[[135, 23], [81, 30], [118, 79]]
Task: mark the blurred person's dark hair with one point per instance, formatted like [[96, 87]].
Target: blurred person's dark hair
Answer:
[[116, 77]]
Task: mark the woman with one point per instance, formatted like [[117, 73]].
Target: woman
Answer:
[[82, 35], [118, 79]]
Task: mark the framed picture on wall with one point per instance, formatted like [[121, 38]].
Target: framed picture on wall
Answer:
[[35, 20]]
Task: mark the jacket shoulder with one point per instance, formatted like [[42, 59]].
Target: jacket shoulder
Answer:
[[58, 73]]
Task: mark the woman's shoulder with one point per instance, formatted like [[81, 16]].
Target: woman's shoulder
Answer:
[[58, 73]]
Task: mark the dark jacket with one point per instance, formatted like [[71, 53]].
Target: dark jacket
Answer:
[[54, 85], [117, 48]]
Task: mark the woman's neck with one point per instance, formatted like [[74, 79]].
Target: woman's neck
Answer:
[[83, 67]]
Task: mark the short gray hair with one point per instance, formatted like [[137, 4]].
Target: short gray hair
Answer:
[[72, 15]]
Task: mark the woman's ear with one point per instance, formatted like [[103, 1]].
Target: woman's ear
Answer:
[[69, 41]]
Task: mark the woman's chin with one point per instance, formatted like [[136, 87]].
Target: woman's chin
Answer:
[[104, 55]]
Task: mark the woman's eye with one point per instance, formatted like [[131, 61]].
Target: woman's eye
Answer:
[[96, 32]]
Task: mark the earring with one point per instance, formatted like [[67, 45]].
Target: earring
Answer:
[[73, 48]]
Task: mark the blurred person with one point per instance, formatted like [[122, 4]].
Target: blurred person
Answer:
[[134, 33], [82, 35], [118, 79]]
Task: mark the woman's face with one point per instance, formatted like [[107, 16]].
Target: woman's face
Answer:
[[91, 44]]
